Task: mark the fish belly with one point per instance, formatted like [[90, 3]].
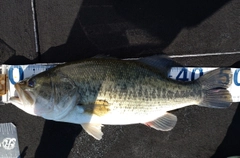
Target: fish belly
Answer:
[[134, 113]]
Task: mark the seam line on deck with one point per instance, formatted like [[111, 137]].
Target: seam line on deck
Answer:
[[202, 55], [35, 28]]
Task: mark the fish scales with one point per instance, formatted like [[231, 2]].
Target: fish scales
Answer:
[[132, 85]]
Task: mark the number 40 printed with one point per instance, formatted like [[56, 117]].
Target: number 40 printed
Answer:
[[186, 74]]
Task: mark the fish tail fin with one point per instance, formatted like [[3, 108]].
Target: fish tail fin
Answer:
[[214, 85], [216, 98]]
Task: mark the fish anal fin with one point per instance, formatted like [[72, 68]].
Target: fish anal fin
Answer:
[[93, 129], [99, 108], [163, 123]]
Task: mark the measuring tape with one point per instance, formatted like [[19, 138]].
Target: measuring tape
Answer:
[[15, 73], [8, 141]]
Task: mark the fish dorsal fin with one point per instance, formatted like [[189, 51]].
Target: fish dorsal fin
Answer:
[[161, 62], [163, 123], [93, 129], [102, 56]]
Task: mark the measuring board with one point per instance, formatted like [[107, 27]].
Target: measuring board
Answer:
[[15, 73], [9, 147]]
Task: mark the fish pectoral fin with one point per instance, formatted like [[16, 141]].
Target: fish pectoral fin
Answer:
[[99, 108], [93, 129], [163, 123]]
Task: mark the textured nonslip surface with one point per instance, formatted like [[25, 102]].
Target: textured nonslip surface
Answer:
[[79, 29]]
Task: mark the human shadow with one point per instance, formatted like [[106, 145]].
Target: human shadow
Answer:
[[230, 145], [8, 55], [6, 51], [125, 29], [57, 139], [20, 60]]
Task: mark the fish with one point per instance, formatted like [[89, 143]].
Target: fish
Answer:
[[107, 91]]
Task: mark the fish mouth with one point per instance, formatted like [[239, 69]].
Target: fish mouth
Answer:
[[24, 96]]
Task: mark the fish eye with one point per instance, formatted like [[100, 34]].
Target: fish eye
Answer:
[[30, 83]]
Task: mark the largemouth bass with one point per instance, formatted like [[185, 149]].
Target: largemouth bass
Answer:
[[101, 91]]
